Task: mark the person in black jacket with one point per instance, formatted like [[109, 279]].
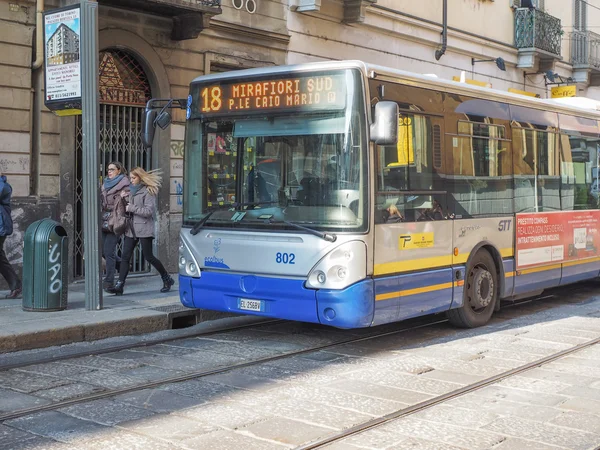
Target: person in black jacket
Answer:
[[6, 229]]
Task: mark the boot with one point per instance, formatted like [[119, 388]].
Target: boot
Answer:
[[167, 283], [117, 289]]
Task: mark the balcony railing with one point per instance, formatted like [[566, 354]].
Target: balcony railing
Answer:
[[190, 17], [585, 49], [537, 29]]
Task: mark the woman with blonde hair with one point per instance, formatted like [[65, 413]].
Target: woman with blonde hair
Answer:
[[141, 206]]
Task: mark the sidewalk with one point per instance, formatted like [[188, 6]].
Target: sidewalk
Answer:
[[141, 309]]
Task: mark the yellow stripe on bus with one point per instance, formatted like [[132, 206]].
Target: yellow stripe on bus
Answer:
[[555, 266], [413, 264], [538, 269], [421, 290], [428, 263], [581, 261]]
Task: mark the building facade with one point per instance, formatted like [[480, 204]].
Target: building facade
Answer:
[[154, 48], [62, 47]]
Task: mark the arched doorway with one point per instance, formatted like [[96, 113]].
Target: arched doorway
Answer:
[[124, 91]]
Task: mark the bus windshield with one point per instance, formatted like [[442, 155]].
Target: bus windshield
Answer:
[[263, 170]]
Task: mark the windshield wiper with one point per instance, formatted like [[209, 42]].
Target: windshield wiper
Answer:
[[196, 229], [326, 236]]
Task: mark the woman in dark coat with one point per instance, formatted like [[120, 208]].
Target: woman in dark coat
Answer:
[[142, 207], [116, 184], [6, 229]]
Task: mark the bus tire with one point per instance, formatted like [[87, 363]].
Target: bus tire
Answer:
[[480, 293]]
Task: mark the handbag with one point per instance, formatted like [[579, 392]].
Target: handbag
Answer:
[[117, 221]]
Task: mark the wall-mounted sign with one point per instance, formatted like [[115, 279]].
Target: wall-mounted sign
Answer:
[[564, 91], [62, 35]]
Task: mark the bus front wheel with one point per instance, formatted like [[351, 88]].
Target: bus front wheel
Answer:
[[480, 293]]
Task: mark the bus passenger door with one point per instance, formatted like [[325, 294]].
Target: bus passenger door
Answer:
[[413, 232], [413, 262]]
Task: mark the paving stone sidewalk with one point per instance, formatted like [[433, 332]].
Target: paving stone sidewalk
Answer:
[[142, 309]]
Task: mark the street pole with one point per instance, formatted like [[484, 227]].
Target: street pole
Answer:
[[91, 157]]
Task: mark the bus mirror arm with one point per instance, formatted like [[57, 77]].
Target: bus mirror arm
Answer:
[[384, 129], [153, 118]]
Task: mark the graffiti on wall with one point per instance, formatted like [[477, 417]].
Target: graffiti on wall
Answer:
[[177, 149], [178, 192], [14, 164]]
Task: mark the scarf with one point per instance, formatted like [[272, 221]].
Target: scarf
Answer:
[[134, 188], [109, 184]]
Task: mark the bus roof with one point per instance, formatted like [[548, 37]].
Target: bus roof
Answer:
[[577, 105]]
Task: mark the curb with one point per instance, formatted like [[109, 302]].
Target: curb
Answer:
[[141, 322]]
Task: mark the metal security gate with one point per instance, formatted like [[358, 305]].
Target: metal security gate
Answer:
[[124, 91]]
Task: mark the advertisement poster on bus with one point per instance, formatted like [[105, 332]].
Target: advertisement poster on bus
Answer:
[[556, 237], [62, 35]]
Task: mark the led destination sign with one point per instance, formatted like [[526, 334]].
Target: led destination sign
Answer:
[[326, 92]]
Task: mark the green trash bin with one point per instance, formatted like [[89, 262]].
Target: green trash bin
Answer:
[[45, 266]]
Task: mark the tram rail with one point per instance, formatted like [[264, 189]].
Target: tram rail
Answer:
[[441, 399], [414, 324], [421, 323]]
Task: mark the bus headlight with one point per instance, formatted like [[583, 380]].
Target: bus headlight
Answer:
[[341, 267], [188, 265]]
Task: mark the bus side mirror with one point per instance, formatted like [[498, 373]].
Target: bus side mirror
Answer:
[[148, 127], [163, 120], [384, 129]]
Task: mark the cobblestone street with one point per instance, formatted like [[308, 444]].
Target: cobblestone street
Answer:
[[292, 401]]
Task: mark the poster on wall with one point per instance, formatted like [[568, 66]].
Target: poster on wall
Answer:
[[62, 34], [556, 237]]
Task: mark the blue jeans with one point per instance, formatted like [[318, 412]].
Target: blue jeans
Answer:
[[109, 246]]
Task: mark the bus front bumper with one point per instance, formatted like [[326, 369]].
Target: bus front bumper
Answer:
[[281, 298]]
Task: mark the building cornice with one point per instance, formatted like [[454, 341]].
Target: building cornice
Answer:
[[242, 31]]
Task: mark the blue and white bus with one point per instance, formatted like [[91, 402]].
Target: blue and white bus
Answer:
[[354, 195]]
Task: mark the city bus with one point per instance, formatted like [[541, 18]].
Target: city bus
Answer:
[[353, 195]]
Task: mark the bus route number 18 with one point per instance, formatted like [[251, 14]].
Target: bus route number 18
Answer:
[[211, 99], [285, 258]]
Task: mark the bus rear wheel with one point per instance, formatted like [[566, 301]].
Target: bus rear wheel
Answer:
[[480, 293]]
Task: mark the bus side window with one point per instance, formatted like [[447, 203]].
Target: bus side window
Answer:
[[408, 166]]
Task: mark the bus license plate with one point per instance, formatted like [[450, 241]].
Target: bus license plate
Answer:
[[251, 305]]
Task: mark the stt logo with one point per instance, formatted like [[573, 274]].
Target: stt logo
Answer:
[[504, 225]]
